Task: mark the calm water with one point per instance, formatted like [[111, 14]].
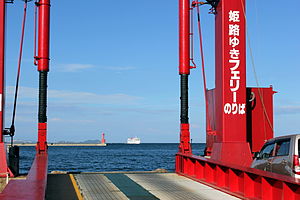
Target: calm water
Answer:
[[114, 157]]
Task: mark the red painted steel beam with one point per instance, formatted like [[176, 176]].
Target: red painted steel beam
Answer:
[[43, 35], [184, 37], [43, 68], [2, 63], [3, 162], [34, 186], [230, 93], [243, 182]]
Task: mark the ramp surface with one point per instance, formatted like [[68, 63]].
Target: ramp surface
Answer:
[[130, 188], [143, 186], [98, 186]]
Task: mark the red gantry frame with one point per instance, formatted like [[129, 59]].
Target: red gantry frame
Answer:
[[34, 186], [234, 114], [239, 119]]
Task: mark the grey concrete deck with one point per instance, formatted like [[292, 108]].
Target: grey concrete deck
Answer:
[[165, 186]]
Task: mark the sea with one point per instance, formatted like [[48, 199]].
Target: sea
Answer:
[[113, 157]]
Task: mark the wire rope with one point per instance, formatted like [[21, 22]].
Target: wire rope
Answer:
[[202, 62], [255, 74], [12, 127]]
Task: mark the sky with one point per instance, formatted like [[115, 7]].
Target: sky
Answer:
[[114, 69]]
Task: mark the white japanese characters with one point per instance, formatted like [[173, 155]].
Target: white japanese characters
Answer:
[[233, 64]]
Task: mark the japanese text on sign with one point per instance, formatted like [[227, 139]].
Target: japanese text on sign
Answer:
[[234, 63]]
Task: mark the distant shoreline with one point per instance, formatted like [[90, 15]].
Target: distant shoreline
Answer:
[[63, 145], [90, 144]]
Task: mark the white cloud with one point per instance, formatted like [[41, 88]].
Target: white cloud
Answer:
[[74, 67], [196, 126], [290, 109], [59, 120], [75, 97], [87, 97], [116, 68], [24, 92], [21, 118]]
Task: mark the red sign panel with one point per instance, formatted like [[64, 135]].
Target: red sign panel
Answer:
[[230, 71]]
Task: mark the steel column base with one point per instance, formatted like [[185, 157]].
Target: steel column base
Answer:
[[4, 170], [41, 145], [3, 163]]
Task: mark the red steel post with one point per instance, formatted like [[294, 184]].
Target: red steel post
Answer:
[[231, 145], [3, 163], [184, 71], [43, 68], [184, 37], [43, 35], [2, 63]]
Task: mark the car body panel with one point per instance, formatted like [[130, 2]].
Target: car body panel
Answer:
[[280, 160]]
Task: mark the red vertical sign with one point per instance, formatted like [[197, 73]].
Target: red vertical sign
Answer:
[[230, 94], [231, 71]]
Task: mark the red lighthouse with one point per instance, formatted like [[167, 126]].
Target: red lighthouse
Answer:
[[103, 139]]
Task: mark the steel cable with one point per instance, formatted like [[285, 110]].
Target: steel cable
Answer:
[[12, 127], [255, 74], [35, 35], [202, 63]]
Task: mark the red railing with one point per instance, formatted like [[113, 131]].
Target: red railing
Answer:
[[34, 186], [242, 182]]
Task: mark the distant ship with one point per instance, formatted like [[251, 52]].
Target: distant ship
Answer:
[[133, 140]]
